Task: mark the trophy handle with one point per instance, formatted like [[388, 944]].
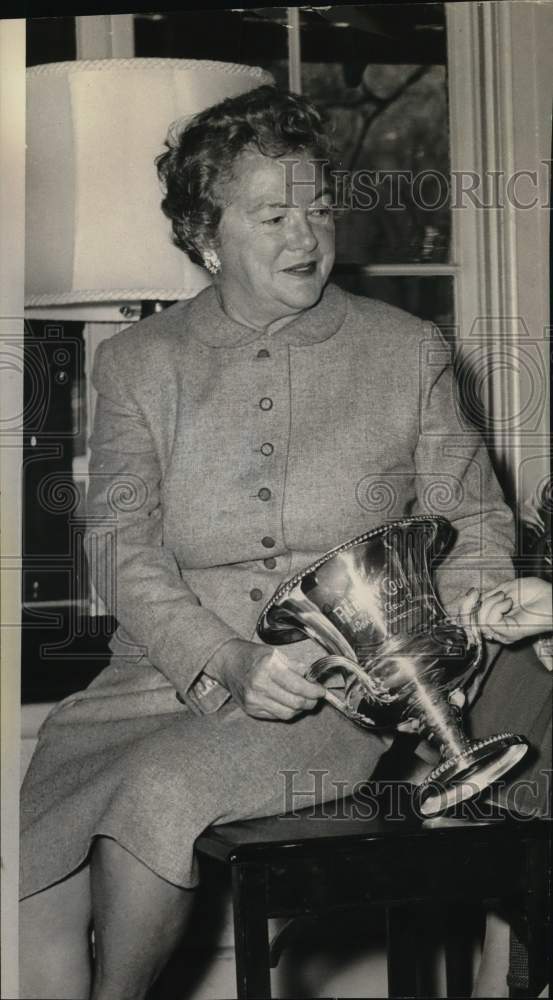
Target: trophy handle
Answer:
[[319, 670], [474, 635]]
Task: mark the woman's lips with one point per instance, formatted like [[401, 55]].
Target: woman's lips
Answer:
[[302, 270]]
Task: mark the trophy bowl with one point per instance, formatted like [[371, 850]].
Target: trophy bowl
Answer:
[[392, 655]]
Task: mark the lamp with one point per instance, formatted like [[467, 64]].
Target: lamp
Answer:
[[95, 231], [96, 238]]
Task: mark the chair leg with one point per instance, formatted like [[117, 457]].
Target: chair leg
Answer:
[[459, 947], [537, 915], [402, 949], [251, 932], [530, 942]]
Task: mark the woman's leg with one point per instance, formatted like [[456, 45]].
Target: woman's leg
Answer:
[[171, 785], [491, 980], [54, 941], [139, 919]]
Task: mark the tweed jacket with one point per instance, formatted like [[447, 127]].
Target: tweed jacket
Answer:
[[225, 460]]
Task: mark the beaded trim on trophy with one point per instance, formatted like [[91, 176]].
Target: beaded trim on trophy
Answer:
[[474, 747], [434, 522]]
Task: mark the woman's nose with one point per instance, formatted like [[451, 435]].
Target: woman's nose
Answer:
[[301, 235]]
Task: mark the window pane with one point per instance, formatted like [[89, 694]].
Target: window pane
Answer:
[[50, 39], [389, 120], [233, 36], [54, 433]]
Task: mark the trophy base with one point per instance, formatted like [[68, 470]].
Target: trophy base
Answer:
[[464, 775]]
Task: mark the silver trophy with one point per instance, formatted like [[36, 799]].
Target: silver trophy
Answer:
[[393, 655]]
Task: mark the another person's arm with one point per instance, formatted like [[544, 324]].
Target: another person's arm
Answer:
[[518, 609]]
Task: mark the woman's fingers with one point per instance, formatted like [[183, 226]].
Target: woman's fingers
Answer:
[[300, 670], [272, 710], [286, 675], [275, 688], [277, 703], [280, 696], [298, 685]]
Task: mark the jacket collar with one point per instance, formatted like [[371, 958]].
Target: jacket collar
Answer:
[[209, 324]]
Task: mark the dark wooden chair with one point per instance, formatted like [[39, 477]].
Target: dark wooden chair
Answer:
[[309, 863]]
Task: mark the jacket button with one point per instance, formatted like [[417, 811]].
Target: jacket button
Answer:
[[270, 562], [268, 542], [263, 353], [264, 493], [266, 403], [256, 594], [267, 448]]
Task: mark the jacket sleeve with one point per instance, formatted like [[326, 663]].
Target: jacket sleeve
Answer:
[[455, 478], [135, 574]]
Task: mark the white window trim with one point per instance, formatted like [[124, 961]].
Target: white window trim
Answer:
[[500, 90], [104, 36]]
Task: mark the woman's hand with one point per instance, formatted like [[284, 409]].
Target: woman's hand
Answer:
[[263, 680], [516, 610]]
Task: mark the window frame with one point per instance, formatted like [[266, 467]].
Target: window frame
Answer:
[[495, 127], [498, 99]]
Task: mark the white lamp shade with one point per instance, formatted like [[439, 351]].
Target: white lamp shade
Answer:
[[95, 231]]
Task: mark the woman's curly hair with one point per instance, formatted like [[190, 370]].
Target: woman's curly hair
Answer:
[[200, 156]]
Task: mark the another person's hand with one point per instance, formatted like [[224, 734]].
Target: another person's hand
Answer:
[[517, 609], [263, 680]]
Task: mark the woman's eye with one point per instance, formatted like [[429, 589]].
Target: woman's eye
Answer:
[[321, 213], [273, 221]]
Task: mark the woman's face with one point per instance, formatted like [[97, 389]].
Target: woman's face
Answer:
[[275, 238]]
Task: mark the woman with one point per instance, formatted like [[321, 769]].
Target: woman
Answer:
[[237, 436]]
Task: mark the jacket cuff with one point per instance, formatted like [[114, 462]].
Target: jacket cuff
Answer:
[[203, 694]]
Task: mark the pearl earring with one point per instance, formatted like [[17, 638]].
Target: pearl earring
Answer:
[[212, 262]]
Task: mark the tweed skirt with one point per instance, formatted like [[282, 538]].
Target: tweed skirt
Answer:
[[125, 759]]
